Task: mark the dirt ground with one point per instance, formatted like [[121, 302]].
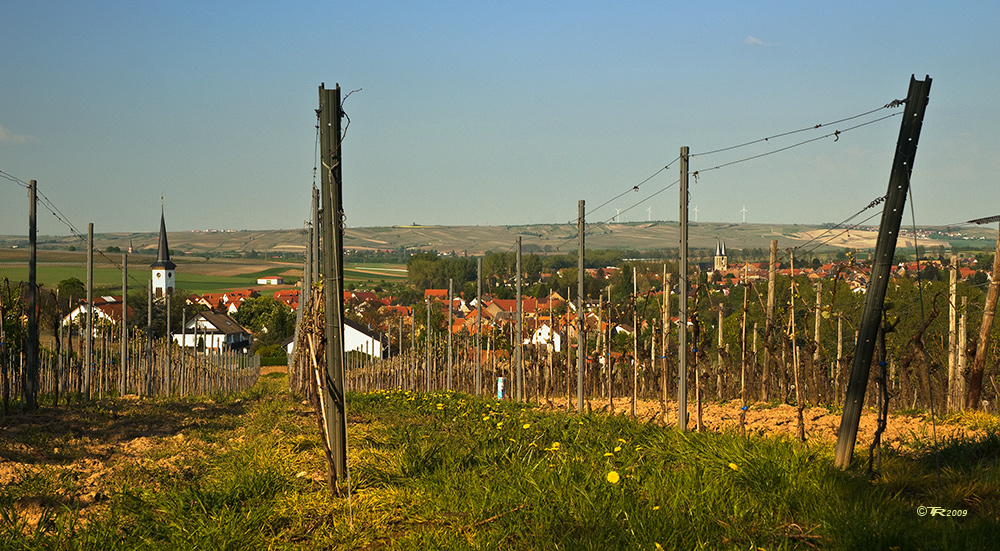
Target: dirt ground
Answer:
[[79, 452], [781, 420]]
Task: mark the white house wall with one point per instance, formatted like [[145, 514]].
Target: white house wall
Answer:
[[356, 340]]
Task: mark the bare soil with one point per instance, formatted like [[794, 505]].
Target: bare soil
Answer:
[[84, 452], [782, 420]]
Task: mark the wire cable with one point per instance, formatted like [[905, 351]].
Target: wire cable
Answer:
[[835, 134], [891, 104], [14, 179], [875, 202], [633, 188]]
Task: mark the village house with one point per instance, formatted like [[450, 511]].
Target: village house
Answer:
[[215, 332], [107, 309]]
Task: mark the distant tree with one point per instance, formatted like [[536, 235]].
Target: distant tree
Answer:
[[270, 320], [71, 288]]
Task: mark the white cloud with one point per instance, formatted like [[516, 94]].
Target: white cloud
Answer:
[[754, 41], [7, 137]]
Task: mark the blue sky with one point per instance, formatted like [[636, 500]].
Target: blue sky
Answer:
[[501, 113]]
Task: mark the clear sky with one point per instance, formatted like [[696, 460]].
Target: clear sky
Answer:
[[500, 113]]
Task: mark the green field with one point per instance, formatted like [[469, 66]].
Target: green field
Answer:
[[197, 277]]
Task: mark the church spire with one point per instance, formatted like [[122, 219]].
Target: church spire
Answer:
[[163, 251], [163, 268]]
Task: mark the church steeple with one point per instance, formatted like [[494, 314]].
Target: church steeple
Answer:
[[163, 268], [721, 259]]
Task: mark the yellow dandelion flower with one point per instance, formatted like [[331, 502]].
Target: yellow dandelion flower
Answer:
[[555, 445], [734, 467], [618, 449], [622, 440], [526, 426], [658, 547], [500, 425], [486, 417], [609, 454], [656, 508], [440, 406], [613, 477]]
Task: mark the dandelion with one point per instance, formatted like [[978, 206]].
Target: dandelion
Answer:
[[613, 477], [555, 445], [609, 454], [440, 406], [500, 425], [734, 467], [526, 426], [618, 449], [486, 417], [658, 546], [656, 508]]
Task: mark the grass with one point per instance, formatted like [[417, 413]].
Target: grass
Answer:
[[448, 471]]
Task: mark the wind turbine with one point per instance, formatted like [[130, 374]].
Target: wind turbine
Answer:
[[649, 213], [696, 213], [744, 211], [617, 212]]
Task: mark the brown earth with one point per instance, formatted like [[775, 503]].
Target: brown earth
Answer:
[[85, 451], [782, 420]]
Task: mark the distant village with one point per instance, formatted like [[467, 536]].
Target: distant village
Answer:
[[547, 321]]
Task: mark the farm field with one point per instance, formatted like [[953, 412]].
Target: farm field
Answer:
[[196, 275], [449, 471]]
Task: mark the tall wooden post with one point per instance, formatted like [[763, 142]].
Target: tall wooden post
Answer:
[[682, 284], [427, 340], [451, 301], [148, 372], [123, 373], [315, 251], [519, 328], [885, 249], [635, 340], [954, 398], [333, 279], [718, 369], [975, 389], [479, 326], [88, 360], [665, 341], [962, 342], [581, 333], [772, 272], [29, 386], [169, 370]]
